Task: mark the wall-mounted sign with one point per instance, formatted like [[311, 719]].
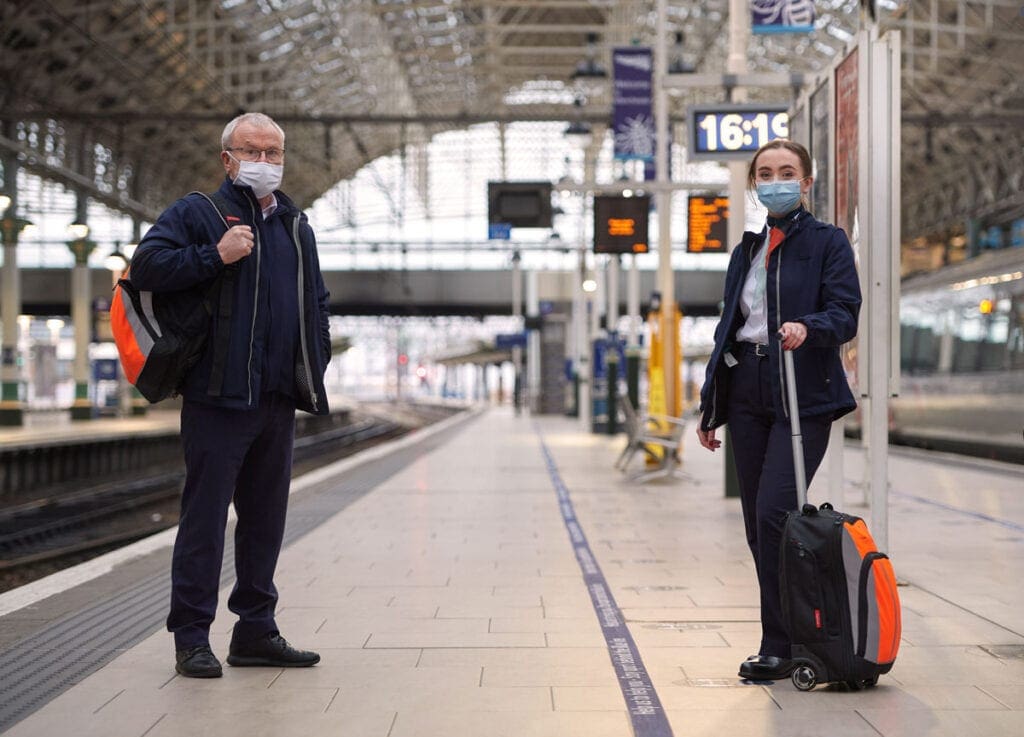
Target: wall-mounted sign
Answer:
[[620, 224], [718, 132], [781, 16]]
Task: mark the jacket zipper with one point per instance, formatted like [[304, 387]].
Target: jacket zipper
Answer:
[[778, 326], [302, 317], [255, 300]]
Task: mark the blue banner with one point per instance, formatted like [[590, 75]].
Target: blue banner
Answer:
[[781, 16], [632, 119]]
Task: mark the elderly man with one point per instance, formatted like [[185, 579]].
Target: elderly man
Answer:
[[239, 399]]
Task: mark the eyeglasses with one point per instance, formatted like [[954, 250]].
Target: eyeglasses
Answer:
[[274, 155]]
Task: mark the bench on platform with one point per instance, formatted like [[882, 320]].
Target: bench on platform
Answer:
[[656, 437]]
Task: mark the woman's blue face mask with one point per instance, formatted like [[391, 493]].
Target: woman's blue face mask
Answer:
[[779, 197]]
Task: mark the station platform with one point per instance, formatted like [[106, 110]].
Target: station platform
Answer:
[[46, 427], [500, 578]]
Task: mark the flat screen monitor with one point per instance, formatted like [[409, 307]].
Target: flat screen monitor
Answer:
[[519, 204]]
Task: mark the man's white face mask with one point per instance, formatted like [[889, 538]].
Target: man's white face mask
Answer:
[[262, 176]]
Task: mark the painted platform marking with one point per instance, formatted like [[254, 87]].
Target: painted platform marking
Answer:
[[645, 710]]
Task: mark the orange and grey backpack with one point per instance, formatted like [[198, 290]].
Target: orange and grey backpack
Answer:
[[839, 599], [161, 335]]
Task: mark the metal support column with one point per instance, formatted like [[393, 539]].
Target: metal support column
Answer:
[[612, 351], [10, 282], [736, 63], [81, 312], [533, 342], [663, 199], [633, 352], [517, 313]]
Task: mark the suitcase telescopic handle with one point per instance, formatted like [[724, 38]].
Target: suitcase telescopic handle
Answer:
[[794, 424]]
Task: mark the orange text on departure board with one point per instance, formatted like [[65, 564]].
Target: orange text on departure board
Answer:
[[621, 226], [704, 214]]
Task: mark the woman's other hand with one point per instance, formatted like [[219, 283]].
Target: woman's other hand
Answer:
[[707, 439]]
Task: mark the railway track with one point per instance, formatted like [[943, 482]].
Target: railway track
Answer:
[[67, 527]]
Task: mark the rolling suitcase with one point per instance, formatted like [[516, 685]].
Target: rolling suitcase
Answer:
[[839, 598]]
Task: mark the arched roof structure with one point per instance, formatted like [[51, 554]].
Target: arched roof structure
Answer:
[[125, 99]]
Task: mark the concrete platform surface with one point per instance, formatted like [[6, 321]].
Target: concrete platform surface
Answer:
[[449, 601]]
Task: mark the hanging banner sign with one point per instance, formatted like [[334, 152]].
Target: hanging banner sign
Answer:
[[632, 119], [781, 16]]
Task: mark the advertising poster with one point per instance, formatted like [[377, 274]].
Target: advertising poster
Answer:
[[846, 146], [819, 139], [632, 118]]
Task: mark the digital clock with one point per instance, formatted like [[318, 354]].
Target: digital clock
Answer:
[[718, 132]]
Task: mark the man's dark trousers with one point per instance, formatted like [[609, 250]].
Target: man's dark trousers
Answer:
[[245, 456], [763, 448]]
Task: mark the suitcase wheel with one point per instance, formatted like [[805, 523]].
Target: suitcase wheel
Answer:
[[804, 677]]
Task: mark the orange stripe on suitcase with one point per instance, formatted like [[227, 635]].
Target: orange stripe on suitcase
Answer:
[[890, 625], [861, 537]]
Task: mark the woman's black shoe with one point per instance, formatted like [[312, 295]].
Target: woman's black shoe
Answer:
[[197, 662], [766, 668]]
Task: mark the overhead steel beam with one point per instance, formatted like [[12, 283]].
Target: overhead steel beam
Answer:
[[33, 162]]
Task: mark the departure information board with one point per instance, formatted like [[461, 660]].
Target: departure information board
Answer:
[[708, 217], [620, 224]]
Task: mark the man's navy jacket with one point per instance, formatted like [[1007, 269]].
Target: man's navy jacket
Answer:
[[811, 279], [180, 253]]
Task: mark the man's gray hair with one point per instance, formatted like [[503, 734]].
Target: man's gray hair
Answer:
[[257, 120]]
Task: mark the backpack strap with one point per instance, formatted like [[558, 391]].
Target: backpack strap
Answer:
[[225, 287]]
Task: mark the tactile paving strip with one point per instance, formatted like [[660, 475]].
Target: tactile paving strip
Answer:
[[44, 665]]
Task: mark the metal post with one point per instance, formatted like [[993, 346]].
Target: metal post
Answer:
[[739, 33], [666, 277], [598, 370], [582, 321], [612, 346], [883, 237], [517, 313], [81, 315], [10, 380], [633, 342], [533, 342]]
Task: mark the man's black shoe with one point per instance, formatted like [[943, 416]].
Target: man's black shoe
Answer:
[[272, 650], [197, 662], [764, 668]]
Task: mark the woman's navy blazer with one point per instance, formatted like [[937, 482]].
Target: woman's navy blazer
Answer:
[[811, 279]]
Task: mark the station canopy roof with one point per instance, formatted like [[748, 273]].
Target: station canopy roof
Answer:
[[126, 99]]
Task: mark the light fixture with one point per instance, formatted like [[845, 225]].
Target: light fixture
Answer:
[[5, 202], [679, 64], [78, 230], [116, 262], [578, 132], [589, 286], [590, 78]]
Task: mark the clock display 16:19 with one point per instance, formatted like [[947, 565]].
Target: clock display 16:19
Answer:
[[740, 131]]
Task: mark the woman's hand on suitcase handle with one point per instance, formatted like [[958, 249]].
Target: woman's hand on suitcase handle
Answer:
[[792, 335], [707, 439]]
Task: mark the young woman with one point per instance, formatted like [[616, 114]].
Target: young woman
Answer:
[[792, 287]]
